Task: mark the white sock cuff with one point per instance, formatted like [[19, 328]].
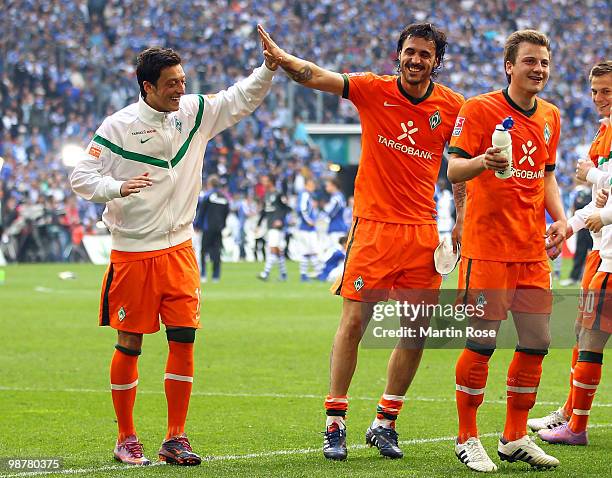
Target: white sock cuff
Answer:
[[180, 378], [396, 398], [126, 386]]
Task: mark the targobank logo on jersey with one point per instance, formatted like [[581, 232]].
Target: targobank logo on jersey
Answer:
[[527, 150], [408, 129], [407, 133]]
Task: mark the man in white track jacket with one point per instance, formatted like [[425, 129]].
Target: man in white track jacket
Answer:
[[568, 425], [145, 163]]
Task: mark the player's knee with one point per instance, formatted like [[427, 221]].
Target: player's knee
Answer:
[[129, 341], [185, 335], [537, 343], [351, 331], [482, 334], [592, 340], [352, 325]]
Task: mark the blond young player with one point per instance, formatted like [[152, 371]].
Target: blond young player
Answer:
[[568, 425], [504, 246]]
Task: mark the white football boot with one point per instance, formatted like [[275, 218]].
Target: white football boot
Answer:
[[525, 449], [550, 421], [473, 455]]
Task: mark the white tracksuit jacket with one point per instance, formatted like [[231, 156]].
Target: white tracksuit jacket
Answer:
[[598, 178], [606, 217], [170, 147]]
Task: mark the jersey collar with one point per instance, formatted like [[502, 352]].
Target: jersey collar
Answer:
[[412, 99], [150, 115], [529, 113]]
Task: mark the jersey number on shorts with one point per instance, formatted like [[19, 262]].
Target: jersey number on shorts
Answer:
[[587, 304]]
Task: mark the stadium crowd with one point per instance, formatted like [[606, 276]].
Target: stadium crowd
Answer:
[[64, 65]]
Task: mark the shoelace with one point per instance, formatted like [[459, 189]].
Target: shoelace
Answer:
[[332, 437], [555, 416], [183, 441], [531, 444], [392, 435], [476, 450], [135, 448]]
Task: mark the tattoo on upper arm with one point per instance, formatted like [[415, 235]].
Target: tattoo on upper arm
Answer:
[[459, 195], [300, 76]]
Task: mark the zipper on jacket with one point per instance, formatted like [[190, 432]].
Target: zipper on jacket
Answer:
[[172, 174]]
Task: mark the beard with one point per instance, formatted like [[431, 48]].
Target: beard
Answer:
[[415, 77]]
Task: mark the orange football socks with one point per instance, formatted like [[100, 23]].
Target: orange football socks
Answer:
[[124, 379], [178, 382]]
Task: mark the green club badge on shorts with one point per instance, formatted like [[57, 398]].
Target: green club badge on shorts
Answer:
[[121, 314], [358, 283]]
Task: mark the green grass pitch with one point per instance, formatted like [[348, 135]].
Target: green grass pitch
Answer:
[[261, 375]]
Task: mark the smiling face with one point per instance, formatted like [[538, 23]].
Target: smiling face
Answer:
[[601, 92], [417, 60], [531, 69], [165, 95]]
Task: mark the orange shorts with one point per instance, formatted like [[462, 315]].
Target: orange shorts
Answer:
[[590, 269], [139, 288], [503, 286], [597, 314], [384, 259]]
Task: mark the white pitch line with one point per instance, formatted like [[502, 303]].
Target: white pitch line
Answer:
[[80, 471], [259, 395], [247, 456]]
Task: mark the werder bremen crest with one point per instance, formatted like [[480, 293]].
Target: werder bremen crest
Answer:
[[547, 133], [435, 120]]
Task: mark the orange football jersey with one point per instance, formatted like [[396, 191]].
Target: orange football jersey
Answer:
[[505, 219], [600, 147], [402, 141]]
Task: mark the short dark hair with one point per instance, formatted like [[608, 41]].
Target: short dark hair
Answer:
[[601, 69], [430, 32], [151, 62], [522, 36]]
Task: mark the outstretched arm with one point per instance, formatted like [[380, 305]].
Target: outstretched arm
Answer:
[[301, 71]]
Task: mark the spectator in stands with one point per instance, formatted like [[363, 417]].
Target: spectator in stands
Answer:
[[57, 83]]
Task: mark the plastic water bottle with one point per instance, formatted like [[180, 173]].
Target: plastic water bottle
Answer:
[[501, 139]]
